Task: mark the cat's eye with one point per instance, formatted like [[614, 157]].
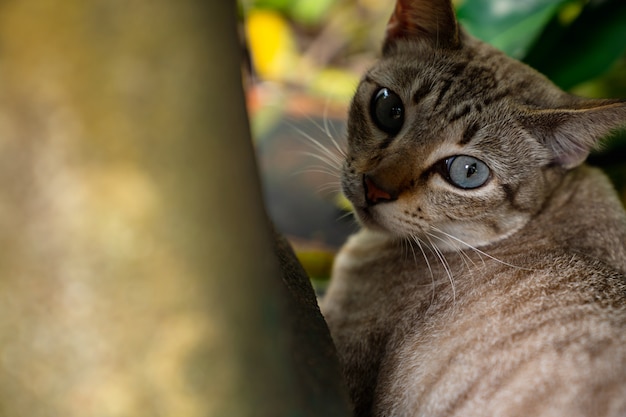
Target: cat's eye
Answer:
[[387, 111], [467, 172]]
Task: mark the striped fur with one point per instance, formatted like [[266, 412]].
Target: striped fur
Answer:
[[504, 300]]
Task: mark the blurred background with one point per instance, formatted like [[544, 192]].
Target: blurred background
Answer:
[[305, 58]]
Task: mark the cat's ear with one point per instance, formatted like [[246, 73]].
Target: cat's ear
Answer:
[[571, 133], [430, 20]]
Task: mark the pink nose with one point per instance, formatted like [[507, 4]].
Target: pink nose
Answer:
[[375, 194]]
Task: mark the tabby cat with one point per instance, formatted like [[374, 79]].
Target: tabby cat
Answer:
[[488, 278]]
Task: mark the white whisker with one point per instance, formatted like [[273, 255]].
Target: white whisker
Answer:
[[430, 269], [478, 250], [329, 155], [445, 264], [318, 169], [324, 128], [346, 214], [459, 251], [329, 134], [328, 164], [406, 247], [333, 161], [331, 188]]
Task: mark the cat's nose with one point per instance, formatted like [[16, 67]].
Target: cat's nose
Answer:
[[374, 193]]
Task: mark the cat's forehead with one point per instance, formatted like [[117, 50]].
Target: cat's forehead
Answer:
[[404, 72], [445, 86]]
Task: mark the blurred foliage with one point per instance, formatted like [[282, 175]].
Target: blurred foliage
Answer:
[[307, 12], [317, 264], [274, 50], [580, 50], [510, 25], [321, 48], [571, 41]]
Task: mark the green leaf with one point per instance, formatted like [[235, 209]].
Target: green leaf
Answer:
[[278, 5], [310, 12], [510, 25], [570, 55]]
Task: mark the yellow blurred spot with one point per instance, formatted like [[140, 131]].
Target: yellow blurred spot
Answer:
[[343, 203], [569, 12], [316, 262], [335, 83], [271, 44]]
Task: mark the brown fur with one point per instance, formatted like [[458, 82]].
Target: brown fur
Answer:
[[504, 300]]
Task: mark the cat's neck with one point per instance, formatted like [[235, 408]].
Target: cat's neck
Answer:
[[583, 216]]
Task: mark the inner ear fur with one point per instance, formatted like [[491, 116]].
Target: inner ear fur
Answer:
[[433, 21], [571, 133]]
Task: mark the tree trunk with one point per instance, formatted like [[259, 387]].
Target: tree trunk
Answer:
[[137, 267]]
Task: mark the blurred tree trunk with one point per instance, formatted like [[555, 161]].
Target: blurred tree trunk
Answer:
[[137, 267]]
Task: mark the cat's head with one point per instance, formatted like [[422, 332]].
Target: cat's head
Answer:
[[447, 135]]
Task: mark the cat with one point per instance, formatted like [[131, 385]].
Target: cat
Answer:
[[488, 278]]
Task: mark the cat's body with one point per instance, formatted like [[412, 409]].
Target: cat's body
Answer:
[[489, 279], [543, 333]]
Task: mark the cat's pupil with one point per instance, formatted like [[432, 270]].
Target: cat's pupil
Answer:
[[471, 170]]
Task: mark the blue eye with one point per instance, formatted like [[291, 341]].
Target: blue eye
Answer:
[[387, 111], [467, 172]]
